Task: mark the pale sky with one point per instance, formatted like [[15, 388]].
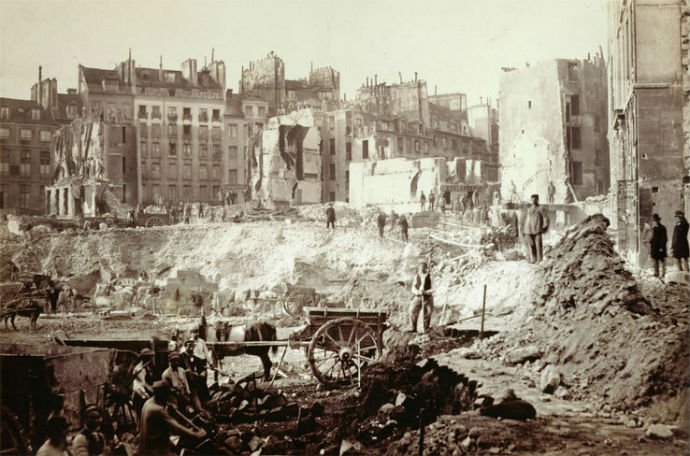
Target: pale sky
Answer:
[[457, 45]]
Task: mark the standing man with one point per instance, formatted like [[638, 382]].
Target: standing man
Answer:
[[422, 201], [536, 223], [403, 229], [551, 192], [679, 242], [432, 199], [143, 379], [381, 222], [177, 379], [657, 245], [330, 216], [422, 297]]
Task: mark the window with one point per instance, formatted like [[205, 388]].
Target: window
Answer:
[[172, 192], [172, 113], [347, 178], [172, 172], [4, 113], [203, 151], [416, 145], [172, 151], [215, 173], [203, 193], [25, 163], [203, 173], [4, 133], [597, 126], [332, 171], [348, 151], [365, 148], [232, 152], [143, 146], [186, 131], [4, 161], [172, 131], [203, 115], [216, 191], [156, 149], [35, 114], [455, 144], [572, 71], [187, 150], [216, 152], [575, 138], [155, 172], [24, 195], [124, 165], [401, 145], [187, 192], [155, 131], [216, 115], [45, 135], [331, 195], [576, 173], [155, 112], [25, 134], [598, 158], [232, 131], [575, 105], [203, 133], [45, 162], [262, 111], [187, 172], [232, 176], [331, 146], [249, 111], [142, 112], [186, 113], [215, 134]]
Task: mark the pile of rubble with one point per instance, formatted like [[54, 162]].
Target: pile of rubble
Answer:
[[593, 333]]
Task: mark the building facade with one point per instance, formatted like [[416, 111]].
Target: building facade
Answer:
[[648, 109], [553, 131], [483, 120]]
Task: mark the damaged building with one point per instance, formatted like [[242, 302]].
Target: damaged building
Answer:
[[648, 77], [553, 130], [286, 162], [95, 169]]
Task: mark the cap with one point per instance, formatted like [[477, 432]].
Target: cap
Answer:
[[679, 214], [173, 355], [145, 352], [92, 410]]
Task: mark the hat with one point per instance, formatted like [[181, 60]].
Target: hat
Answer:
[[161, 385], [92, 410], [534, 196], [173, 355], [145, 352], [679, 214], [656, 217]]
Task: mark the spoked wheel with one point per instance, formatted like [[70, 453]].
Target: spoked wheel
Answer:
[[154, 221], [293, 306], [340, 349]]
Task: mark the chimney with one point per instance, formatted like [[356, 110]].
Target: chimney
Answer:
[[213, 53], [435, 89], [400, 76], [160, 69], [367, 81], [415, 76], [40, 90], [376, 79]]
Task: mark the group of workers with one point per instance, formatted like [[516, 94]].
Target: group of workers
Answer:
[[658, 239]]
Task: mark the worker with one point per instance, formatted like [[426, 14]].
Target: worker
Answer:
[[142, 384], [551, 192], [177, 379], [422, 201], [657, 246], [90, 441], [403, 228], [330, 216], [56, 444], [679, 242], [536, 223], [200, 360], [381, 222], [422, 297], [432, 200], [156, 424]]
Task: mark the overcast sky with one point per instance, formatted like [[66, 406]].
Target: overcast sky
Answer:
[[457, 45]]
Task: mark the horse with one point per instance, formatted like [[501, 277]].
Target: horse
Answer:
[[32, 311]]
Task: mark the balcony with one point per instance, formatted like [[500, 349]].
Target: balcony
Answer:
[[143, 115], [203, 117], [187, 117], [172, 117]]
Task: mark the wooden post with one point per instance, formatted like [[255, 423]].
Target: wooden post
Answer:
[[481, 328]]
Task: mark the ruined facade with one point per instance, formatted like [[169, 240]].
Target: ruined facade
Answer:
[[553, 130], [182, 148], [95, 169], [648, 78], [483, 120], [286, 163]]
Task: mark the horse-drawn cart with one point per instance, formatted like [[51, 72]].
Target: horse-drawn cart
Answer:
[[339, 343]]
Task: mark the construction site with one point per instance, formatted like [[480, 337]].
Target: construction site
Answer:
[[580, 354]]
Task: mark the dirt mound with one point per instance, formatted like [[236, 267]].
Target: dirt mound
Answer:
[[598, 331]]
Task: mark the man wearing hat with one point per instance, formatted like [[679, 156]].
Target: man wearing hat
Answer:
[[536, 223], [90, 441], [422, 297], [657, 245], [330, 216], [143, 379], [679, 242], [177, 379], [156, 424]]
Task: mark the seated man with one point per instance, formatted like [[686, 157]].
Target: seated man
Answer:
[[157, 425], [90, 441]]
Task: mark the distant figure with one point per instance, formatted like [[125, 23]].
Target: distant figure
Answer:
[[657, 246], [403, 228], [679, 242], [422, 201], [432, 200], [201, 210], [381, 222], [422, 297], [536, 223], [443, 204], [330, 216], [551, 192]]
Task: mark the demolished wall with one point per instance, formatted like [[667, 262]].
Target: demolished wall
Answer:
[[287, 161]]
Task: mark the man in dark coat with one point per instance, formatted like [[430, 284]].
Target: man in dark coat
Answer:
[[422, 298], [657, 245], [381, 222], [534, 226], [403, 228], [679, 242], [330, 216]]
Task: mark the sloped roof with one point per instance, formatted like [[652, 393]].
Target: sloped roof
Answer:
[[20, 111]]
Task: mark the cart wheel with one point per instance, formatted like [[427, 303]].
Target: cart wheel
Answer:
[[293, 306], [154, 221], [12, 438], [340, 349]]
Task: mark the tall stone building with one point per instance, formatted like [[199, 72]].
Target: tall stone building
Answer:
[[483, 120], [553, 130], [648, 78]]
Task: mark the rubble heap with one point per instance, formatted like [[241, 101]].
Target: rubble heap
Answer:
[[593, 332]]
